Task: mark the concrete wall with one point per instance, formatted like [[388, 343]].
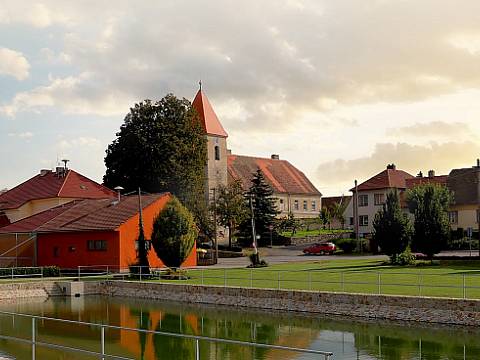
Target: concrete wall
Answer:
[[421, 309], [467, 216]]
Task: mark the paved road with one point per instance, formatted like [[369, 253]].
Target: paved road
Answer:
[[281, 255]]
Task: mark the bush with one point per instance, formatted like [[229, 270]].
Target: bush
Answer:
[[405, 258], [349, 246], [462, 244], [255, 261], [47, 271]]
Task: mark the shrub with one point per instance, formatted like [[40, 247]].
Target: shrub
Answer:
[[255, 261], [174, 233], [47, 271], [349, 246], [405, 258], [462, 244]]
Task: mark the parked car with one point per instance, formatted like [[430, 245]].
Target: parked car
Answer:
[[320, 249]]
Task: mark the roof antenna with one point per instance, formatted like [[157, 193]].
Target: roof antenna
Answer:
[[200, 84]]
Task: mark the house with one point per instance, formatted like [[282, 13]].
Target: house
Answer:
[[465, 185], [293, 190], [88, 232], [47, 190], [372, 194], [329, 203]]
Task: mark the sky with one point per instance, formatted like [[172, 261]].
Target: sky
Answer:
[[339, 88]]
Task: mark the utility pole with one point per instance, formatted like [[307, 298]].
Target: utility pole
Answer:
[[255, 250], [356, 217], [214, 190]]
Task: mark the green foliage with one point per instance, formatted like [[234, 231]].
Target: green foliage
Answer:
[[349, 246], [325, 217], [264, 209], [288, 223], [429, 204], [174, 234], [161, 147], [47, 271], [142, 253], [338, 210], [255, 261], [404, 258], [231, 207], [391, 227]]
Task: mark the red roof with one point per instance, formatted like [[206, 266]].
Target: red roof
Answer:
[[83, 215], [281, 175], [327, 202], [50, 185], [388, 178], [440, 180], [210, 122]]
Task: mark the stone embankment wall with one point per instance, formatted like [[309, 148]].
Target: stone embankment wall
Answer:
[[34, 289], [422, 309]]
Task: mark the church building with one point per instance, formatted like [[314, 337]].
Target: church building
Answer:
[[294, 192]]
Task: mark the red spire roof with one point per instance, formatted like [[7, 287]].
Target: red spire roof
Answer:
[[209, 119], [49, 185]]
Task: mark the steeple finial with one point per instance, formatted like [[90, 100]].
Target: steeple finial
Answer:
[[200, 84]]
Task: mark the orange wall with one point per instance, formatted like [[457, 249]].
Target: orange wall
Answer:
[[81, 256], [129, 234]]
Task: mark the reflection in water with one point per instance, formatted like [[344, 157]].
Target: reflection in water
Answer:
[[347, 339]]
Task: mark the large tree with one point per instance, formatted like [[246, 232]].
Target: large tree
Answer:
[[391, 227], [161, 146], [264, 206], [429, 204], [174, 234], [230, 207]]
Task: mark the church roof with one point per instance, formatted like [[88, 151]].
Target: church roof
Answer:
[[280, 174], [207, 115]]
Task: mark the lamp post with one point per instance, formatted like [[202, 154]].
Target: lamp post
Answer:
[[254, 237], [214, 191]]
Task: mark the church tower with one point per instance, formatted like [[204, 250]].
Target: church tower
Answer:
[[216, 167]]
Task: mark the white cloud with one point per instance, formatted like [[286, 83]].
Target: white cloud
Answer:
[[13, 63], [39, 15], [23, 135]]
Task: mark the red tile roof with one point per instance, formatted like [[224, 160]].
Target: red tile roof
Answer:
[[388, 178], [83, 215], [50, 185], [281, 175], [327, 202], [210, 122], [441, 180]]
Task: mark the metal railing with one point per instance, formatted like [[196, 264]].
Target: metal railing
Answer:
[[102, 353]]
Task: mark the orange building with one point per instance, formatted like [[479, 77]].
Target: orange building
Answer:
[[93, 232]]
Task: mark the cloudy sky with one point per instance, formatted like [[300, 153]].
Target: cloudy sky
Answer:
[[339, 88]]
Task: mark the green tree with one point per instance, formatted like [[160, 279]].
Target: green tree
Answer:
[[391, 227], [264, 209], [174, 233], [161, 146], [429, 204], [338, 210], [288, 223], [325, 217], [231, 207]]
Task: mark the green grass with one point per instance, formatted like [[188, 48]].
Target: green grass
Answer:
[[355, 276], [304, 233]]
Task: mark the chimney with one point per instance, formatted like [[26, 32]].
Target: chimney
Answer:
[[391, 166], [431, 173], [60, 171], [478, 163], [275, 157], [420, 174], [229, 151], [44, 172]]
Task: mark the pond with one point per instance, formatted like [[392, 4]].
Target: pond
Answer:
[[346, 338]]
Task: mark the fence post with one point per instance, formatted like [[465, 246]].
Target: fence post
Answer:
[[379, 281], [342, 276], [78, 274], [309, 280], [225, 277], [12, 273], [34, 340], [203, 276], [419, 284], [197, 350], [102, 339], [251, 278], [140, 273], [278, 279], [464, 288]]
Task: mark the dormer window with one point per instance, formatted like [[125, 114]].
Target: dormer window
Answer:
[[217, 152]]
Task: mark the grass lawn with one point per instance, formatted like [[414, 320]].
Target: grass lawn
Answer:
[[444, 279], [304, 233]]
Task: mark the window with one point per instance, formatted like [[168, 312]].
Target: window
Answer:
[[56, 251], [351, 221], [282, 205], [314, 206], [453, 217], [305, 205], [217, 152], [97, 245], [379, 199], [363, 220], [362, 200], [295, 204]]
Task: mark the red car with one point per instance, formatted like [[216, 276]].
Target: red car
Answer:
[[320, 249]]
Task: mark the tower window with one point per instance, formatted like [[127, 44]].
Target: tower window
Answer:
[[217, 152]]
